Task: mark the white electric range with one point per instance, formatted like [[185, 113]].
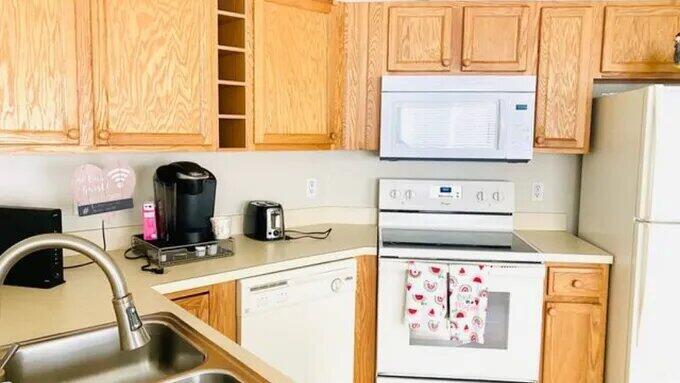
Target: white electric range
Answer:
[[452, 221]]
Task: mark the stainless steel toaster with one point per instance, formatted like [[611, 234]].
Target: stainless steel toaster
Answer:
[[263, 220]]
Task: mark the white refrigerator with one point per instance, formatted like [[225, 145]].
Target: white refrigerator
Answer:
[[630, 206]]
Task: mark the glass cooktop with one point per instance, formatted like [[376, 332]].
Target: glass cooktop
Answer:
[[455, 239]]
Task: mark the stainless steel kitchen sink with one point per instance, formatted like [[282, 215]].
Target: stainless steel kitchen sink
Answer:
[[176, 353], [209, 377]]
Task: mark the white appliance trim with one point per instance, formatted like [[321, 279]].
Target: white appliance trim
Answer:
[[396, 357], [301, 321]]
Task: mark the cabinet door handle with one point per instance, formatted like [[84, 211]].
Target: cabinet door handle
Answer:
[[73, 134], [333, 136], [104, 135], [467, 62], [540, 140], [576, 284], [552, 311], [446, 62]]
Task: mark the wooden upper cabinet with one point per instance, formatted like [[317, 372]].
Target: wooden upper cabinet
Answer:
[[38, 73], [420, 38], [298, 74], [495, 39], [563, 95], [573, 348], [154, 72], [640, 39]]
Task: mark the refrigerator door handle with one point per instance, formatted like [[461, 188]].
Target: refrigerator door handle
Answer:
[[641, 263]]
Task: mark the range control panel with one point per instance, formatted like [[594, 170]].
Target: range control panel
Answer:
[[447, 195]]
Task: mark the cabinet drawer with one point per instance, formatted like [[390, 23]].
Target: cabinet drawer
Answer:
[[576, 282]]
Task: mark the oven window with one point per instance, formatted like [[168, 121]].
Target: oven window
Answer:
[[495, 333]]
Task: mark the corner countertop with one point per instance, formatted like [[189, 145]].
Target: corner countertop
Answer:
[[84, 301], [564, 247]]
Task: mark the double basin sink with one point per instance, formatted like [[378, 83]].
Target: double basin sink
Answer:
[[176, 354]]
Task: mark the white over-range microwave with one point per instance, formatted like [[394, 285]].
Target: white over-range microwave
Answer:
[[488, 118]]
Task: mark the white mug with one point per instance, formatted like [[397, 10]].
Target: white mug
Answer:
[[221, 226]]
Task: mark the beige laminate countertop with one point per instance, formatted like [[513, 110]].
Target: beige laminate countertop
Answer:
[[85, 300], [562, 246]]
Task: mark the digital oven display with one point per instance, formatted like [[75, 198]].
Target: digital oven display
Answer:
[[445, 189]]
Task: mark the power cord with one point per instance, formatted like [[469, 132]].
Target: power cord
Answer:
[[307, 234], [148, 267], [90, 262]]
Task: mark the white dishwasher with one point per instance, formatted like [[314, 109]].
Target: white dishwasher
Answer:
[[301, 321]]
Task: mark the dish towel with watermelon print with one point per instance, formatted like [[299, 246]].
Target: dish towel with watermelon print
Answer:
[[426, 300], [468, 300]]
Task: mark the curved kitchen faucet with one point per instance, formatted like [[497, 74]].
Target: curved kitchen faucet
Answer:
[[131, 331]]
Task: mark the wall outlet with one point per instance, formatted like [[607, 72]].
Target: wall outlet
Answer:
[[312, 185], [537, 192]]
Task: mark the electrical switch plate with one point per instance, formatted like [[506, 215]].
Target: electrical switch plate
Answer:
[[537, 191], [312, 185]]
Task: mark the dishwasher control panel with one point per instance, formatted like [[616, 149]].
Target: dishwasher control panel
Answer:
[[296, 286]]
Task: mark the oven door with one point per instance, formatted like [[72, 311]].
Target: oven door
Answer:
[[512, 335], [456, 125]]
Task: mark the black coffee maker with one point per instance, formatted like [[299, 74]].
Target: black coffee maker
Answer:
[[185, 201]]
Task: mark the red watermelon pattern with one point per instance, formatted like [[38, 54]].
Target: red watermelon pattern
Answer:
[[468, 301], [426, 300]]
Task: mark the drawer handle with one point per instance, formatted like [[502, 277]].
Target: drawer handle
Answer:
[[467, 62], [576, 284]]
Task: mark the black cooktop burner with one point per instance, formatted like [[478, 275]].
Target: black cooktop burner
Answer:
[[456, 239]]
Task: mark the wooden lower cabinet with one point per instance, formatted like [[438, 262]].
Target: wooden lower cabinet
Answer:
[[572, 353], [214, 305], [574, 326], [196, 305], [366, 319]]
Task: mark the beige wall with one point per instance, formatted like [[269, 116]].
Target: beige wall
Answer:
[[346, 179]]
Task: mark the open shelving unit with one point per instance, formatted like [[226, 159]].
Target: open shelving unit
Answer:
[[232, 76]]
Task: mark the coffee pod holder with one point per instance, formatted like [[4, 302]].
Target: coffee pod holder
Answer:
[[161, 255]]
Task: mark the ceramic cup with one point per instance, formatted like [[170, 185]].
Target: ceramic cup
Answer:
[[221, 226]]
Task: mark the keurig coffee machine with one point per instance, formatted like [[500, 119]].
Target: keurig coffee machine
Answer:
[[185, 201]]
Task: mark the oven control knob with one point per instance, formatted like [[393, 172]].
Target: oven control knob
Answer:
[[394, 193], [497, 196], [480, 196], [408, 194]]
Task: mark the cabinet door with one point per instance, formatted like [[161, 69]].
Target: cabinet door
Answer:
[[563, 95], [38, 72], [495, 39], [639, 39], [154, 72], [419, 38], [298, 74], [196, 305], [573, 343]]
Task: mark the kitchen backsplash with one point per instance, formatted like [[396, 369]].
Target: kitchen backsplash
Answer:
[[345, 179]]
